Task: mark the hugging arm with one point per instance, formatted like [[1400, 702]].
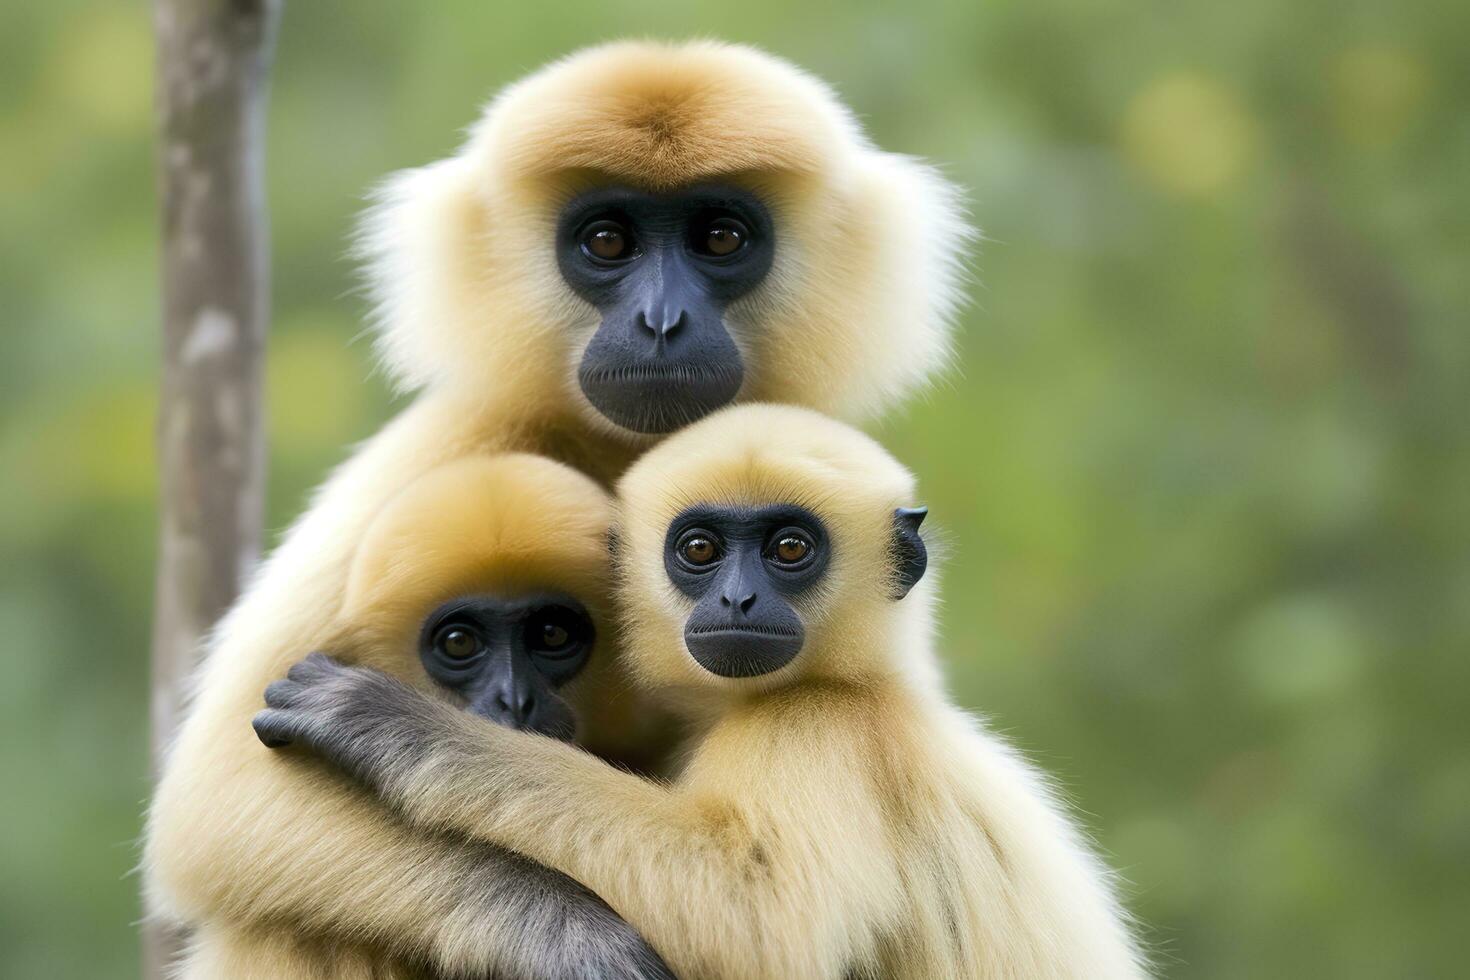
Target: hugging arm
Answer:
[[692, 870]]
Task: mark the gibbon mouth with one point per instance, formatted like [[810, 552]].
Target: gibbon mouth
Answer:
[[742, 651], [778, 632], [654, 397], [653, 372]]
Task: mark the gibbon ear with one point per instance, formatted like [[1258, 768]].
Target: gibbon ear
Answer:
[[910, 556]]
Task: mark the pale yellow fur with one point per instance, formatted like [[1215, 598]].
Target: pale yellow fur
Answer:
[[852, 318], [837, 818]]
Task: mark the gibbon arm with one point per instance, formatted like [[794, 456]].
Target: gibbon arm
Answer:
[[240, 835], [709, 883]]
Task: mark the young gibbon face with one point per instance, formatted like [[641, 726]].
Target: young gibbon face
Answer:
[[485, 578], [765, 544], [507, 656], [743, 567]]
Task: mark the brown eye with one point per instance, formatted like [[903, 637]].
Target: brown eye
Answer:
[[607, 240], [791, 549], [558, 632], [699, 551], [459, 644], [723, 237]]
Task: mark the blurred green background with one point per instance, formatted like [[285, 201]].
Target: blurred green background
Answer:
[[1204, 464]]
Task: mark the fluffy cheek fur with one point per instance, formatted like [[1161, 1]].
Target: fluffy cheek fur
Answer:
[[842, 326], [464, 278]]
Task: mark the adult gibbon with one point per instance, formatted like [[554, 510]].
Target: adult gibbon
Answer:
[[837, 816], [629, 239]]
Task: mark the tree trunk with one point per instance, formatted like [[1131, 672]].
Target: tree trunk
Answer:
[[213, 58]]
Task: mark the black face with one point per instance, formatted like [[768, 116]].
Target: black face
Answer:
[[508, 657], [744, 566], [662, 269]]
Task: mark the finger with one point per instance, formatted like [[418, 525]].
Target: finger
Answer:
[[282, 694], [306, 670], [275, 729], [315, 667]]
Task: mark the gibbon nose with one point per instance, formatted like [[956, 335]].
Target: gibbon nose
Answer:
[[743, 603], [517, 704], [510, 704], [662, 323]]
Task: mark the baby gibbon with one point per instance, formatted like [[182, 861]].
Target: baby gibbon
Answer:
[[484, 584], [836, 816]]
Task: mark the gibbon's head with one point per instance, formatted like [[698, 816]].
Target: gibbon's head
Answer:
[[495, 570], [765, 545], [644, 232]]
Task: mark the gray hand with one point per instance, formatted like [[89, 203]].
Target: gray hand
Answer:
[[379, 731], [365, 723], [562, 930]]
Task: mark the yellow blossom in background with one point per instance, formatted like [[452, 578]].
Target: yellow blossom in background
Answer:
[[317, 388], [1188, 133], [1377, 91], [94, 68]]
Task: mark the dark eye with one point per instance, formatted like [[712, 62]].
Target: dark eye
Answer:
[[457, 643], [698, 549], [791, 548], [556, 631], [721, 237], [607, 241]]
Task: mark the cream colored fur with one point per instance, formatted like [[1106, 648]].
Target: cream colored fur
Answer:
[[472, 310], [837, 818]]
